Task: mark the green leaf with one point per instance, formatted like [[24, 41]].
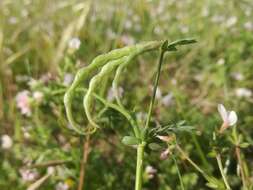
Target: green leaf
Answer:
[[129, 140], [172, 46], [244, 145], [155, 146]]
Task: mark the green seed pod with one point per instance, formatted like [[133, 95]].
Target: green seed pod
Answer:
[[147, 47], [94, 82]]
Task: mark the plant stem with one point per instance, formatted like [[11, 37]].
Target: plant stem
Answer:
[[218, 158], [86, 151], [178, 172], [190, 160], [238, 155], [155, 88], [139, 166]]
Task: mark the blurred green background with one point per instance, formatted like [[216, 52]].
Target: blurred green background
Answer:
[[44, 42]]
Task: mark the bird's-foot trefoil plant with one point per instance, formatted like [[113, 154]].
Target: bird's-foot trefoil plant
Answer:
[[230, 119], [112, 64]]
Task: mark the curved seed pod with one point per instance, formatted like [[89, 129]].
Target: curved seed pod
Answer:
[[145, 48], [94, 82]]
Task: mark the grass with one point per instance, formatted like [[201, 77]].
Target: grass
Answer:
[[35, 56]]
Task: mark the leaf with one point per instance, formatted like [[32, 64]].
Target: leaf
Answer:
[[129, 140], [172, 46], [244, 145], [155, 146]]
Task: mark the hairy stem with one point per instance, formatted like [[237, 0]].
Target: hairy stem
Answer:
[[139, 166]]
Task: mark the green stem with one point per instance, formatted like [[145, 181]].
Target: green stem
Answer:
[[139, 166], [218, 158], [155, 89], [178, 172]]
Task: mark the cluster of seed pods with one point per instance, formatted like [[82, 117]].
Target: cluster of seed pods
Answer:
[[105, 64]]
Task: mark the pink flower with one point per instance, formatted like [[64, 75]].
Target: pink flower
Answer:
[[62, 186], [29, 175], [165, 154], [23, 102]]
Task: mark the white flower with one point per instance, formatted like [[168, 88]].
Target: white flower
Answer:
[[128, 24], [62, 186], [229, 117], [237, 76], [13, 20], [151, 171], [68, 78], [23, 102], [231, 21], [243, 92], [127, 40], [74, 43], [248, 25], [38, 96], [167, 100], [6, 142], [50, 170], [158, 93], [111, 95], [221, 61]]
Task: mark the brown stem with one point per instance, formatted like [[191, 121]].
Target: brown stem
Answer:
[[238, 155], [86, 151]]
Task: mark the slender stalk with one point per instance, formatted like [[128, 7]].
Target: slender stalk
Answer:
[[218, 158], [139, 166], [86, 151], [238, 155], [155, 87], [178, 172], [190, 160]]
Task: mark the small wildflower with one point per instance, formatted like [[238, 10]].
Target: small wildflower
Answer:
[[150, 171], [111, 94], [6, 142], [62, 186], [165, 138], [248, 26], [221, 61], [167, 100], [158, 93], [237, 76], [13, 20], [243, 92], [23, 102], [165, 154], [127, 40], [74, 43], [50, 170], [229, 117], [29, 175], [68, 78], [231, 21], [38, 96], [128, 24]]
